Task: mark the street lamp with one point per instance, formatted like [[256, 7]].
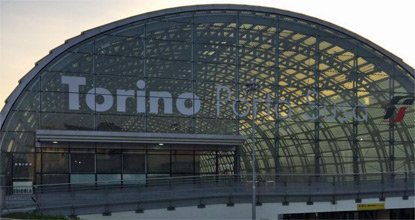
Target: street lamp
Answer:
[[251, 87]]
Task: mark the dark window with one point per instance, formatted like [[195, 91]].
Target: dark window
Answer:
[[158, 163], [108, 163], [54, 163], [182, 163], [134, 163], [82, 163], [23, 166], [6, 163], [54, 178]]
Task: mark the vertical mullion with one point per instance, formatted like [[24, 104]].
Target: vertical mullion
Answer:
[[391, 128], [171, 161], [94, 82], [39, 110], [317, 154], [145, 75], [277, 97], [217, 162], [237, 67], [146, 163], [193, 124], [69, 163], [95, 163], [194, 161], [12, 169], [355, 141], [41, 165], [237, 160], [122, 165]]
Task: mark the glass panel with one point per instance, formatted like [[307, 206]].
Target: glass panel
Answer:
[[58, 102], [196, 52], [108, 178], [134, 163], [119, 46], [169, 125], [18, 141], [116, 122], [38, 165], [82, 163], [54, 178], [404, 156], [29, 101], [73, 62], [59, 82], [54, 163], [108, 163], [66, 121], [119, 65], [168, 69], [6, 164], [216, 29], [82, 147], [132, 30], [206, 162], [157, 176], [180, 29], [215, 53], [21, 121], [134, 178], [216, 126], [159, 163], [54, 147], [23, 166], [226, 163], [169, 50], [182, 164], [82, 178]]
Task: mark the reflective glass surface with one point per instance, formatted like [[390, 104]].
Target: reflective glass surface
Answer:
[[327, 102]]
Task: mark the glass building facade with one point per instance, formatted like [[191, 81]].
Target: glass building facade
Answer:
[[330, 101]]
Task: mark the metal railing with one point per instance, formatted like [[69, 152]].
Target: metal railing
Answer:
[[81, 197]]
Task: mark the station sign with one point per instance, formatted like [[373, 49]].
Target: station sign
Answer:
[[188, 103], [370, 206]]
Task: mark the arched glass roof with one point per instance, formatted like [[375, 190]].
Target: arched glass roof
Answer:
[[306, 68]]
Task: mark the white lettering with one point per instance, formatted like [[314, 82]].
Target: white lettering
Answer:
[[122, 96], [277, 112], [155, 97], [73, 83], [357, 109], [191, 110], [188, 103], [105, 105], [236, 105], [219, 100], [141, 97]]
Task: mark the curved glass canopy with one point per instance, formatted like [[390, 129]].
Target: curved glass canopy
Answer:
[[322, 106]]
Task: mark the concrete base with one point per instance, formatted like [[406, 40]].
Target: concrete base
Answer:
[[267, 211]]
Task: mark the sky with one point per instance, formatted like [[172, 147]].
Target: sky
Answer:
[[29, 29]]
